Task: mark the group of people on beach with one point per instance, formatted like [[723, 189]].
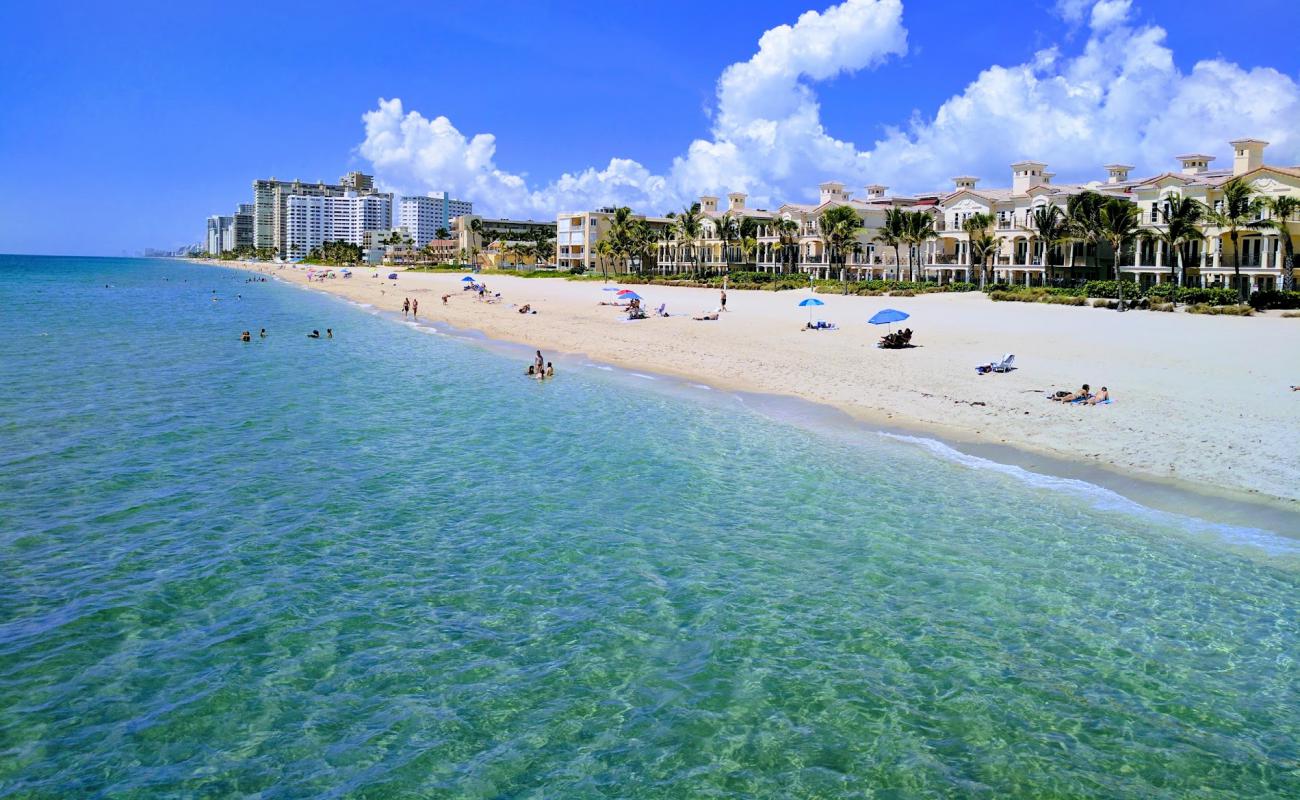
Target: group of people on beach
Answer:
[[1085, 396], [541, 369], [896, 340], [412, 306]]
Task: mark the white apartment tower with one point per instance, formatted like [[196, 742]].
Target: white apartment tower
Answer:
[[312, 220], [423, 216]]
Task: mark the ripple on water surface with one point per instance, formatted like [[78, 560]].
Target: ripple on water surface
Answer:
[[385, 565]]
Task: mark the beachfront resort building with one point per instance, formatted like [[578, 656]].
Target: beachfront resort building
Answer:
[[475, 234], [312, 220], [271, 204], [790, 238], [577, 233], [424, 216]]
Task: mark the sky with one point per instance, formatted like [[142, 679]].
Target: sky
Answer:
[[124, 126]]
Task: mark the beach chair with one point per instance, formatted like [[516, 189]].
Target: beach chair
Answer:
[[662, 310], [1006, 364]]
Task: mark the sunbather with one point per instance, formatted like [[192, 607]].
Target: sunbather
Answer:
[[1069, 397], [1099, 397], [709, 317]]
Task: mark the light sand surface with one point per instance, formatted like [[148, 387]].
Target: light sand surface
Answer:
[[1201, 401]]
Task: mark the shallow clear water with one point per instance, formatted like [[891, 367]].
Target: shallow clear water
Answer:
[[387, 565]]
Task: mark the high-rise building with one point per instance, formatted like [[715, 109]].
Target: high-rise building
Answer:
[[244, 220], [270, 203], [312, 220], [423, 216], [358, 181], [221, 235]]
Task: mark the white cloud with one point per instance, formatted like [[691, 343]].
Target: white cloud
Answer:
[[1120, 97]]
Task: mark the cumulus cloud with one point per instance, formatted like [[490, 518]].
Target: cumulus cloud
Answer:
[[1120, 97]]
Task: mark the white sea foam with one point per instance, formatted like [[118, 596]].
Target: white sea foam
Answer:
[[1101, 498], [640, 375]]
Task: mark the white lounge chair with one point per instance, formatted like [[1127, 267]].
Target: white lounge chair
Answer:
[[1006, 364]]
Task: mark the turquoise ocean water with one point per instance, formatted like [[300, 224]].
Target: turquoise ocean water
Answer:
[[388, 566]]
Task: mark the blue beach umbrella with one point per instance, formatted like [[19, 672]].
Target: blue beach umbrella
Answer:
[[466, 279], [887, 316], [810, 302], [610, 289], [630, 296], [392, 276]]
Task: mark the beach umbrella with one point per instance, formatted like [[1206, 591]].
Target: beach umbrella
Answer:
[[392, 276], [887, 316], [630, 296], [625, 291], [467, 279], [810, 302], [610, 289]]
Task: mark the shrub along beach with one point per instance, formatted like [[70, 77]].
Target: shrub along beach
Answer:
[[1203, 402]]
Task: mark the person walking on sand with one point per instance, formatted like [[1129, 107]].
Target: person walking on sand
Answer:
[[724, 299], [406, 306], [415, 308]]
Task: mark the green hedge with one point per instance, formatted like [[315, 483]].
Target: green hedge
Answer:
[[1274, 299]]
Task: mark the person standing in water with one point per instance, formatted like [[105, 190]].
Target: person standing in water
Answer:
[[539, 362], [406, 306], [415, 307]]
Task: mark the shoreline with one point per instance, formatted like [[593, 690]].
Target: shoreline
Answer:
[[1217, 502]]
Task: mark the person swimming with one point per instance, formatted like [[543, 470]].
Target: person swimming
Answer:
[[329, 333], [315, 334], [550, 370], [262, 335], [246, 337]]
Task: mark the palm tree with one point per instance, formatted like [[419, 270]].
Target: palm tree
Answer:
[[892, 234], [604, 249], [1048, 225], [1280, 210], [979, 230], [1182, 216], [919, 230], [1233, 213], [543, 248], [839, 226], [689, 229], [724, 230], [476, 235], [442, 233], [1118, 222], [1083, 220], [787, 233]]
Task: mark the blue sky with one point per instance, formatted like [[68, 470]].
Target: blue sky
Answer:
[[125, 126]]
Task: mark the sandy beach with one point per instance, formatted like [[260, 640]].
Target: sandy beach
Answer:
[[1202, 402]]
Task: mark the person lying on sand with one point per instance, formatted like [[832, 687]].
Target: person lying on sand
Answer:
[[444, 299], [707, 317], [1069, 397], [525, 308], [1099, 397]]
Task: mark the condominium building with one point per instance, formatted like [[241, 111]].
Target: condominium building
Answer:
[[270, 204], [220, 235], [312, 220], [473, 233], [424, 216], [1021, 254], [577, 233], [244, 223]]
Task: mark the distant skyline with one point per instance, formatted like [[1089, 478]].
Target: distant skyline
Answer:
[[125, 127]]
